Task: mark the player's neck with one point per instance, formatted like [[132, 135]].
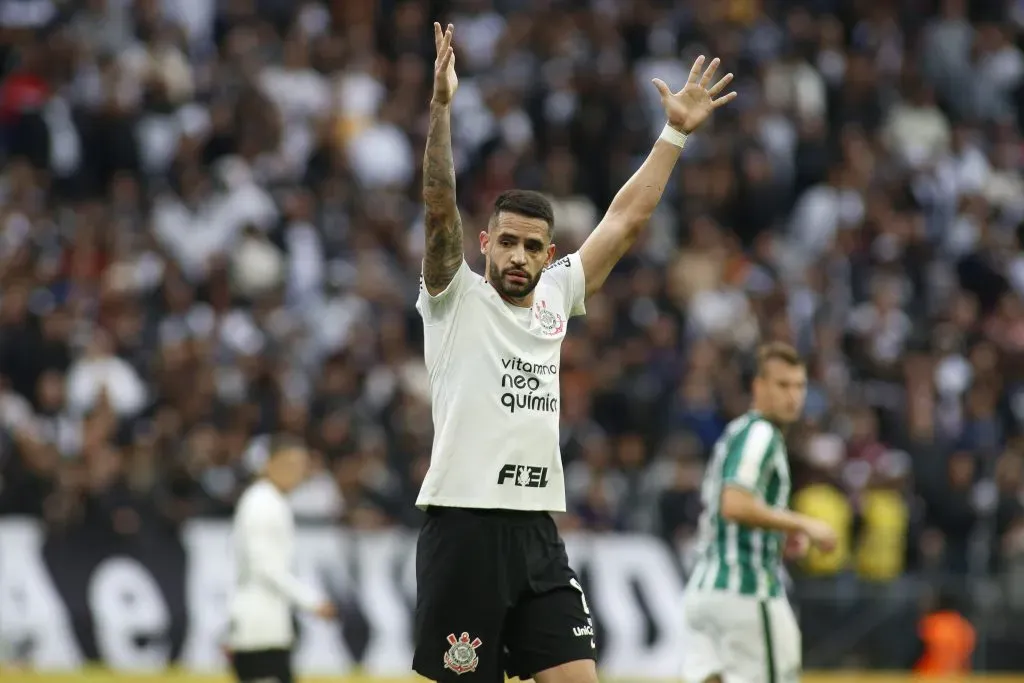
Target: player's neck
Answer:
[[521, 302], [754, 410], [273, 481]]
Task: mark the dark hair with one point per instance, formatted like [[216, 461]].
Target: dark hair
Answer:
[[281, 443], [779, 351], [525, 203]]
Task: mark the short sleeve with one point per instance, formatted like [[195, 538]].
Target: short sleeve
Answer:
[[434, 307], [567, 274], [747, 456]]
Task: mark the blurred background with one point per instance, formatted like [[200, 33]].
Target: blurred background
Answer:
[[210, 231]]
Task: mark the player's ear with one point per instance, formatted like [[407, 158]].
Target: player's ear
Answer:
[[551, 254], [485, 239]]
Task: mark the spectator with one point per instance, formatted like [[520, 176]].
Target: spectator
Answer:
[[885, 521], [823, 497], [949, 641], [101, 376], [951, 510]]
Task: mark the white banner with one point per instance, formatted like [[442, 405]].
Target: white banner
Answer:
[[62, 603]]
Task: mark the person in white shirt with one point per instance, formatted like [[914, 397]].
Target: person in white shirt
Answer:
[[495, 592], [266, 590]]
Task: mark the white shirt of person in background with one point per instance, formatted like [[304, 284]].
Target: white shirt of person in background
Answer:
[[266, 590]]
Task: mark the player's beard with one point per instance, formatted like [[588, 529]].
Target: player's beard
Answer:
[[508, 290]]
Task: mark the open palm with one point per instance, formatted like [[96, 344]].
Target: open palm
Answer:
[[690, 107]]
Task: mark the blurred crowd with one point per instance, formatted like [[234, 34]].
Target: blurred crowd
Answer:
[[210, 231]]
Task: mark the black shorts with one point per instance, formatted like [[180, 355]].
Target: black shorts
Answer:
[[495, 594], [264, 666]]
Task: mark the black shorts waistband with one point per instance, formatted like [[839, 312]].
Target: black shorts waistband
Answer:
[[503, 514]]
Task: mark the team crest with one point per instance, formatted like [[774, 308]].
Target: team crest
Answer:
[[551, 323], [461, 656]]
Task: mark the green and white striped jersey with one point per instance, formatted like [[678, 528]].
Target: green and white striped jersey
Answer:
[[735, 558]]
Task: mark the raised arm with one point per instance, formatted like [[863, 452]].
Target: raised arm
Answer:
[[443, 254], [635, 202]]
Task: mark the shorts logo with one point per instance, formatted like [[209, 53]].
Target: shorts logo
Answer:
[[551, 323], [461, 656]]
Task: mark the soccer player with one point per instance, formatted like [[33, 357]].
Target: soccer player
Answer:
[[261, 633], [495, 592], [740, 627]]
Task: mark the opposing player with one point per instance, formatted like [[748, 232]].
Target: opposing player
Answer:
[[740, 627], [495, 592], [261, 634]]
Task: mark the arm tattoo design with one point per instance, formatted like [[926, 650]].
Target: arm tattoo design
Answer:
[[443, 254]]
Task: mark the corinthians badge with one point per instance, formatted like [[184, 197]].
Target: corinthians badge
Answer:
[[551, 323], [461, 656]]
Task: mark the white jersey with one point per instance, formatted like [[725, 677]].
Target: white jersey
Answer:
[[265, 589], [495, 391]]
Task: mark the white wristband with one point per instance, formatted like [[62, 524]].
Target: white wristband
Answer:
[[673, 136]]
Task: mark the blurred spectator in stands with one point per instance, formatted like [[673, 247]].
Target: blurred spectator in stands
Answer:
[[679, 504], [884, 520], [822, 496], [952, 511], [948, 640], [1008, 550]]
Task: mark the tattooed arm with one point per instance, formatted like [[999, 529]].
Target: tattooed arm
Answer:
[[443, 254]]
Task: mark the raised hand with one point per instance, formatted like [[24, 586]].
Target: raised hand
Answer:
[[445, 80], [692, 105]]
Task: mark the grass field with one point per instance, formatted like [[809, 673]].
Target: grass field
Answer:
[[10, 676]]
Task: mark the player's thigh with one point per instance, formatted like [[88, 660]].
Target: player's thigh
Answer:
[[733, 630], [550, 637], [786, 641], [461, 599], [762, 644], [578, 671], [700, 658], [699, 643]]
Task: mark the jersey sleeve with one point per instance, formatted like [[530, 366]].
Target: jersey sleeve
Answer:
[[567, 274], [748, 456], [434, 307]]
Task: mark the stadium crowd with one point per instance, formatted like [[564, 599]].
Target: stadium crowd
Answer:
[[210, 230]]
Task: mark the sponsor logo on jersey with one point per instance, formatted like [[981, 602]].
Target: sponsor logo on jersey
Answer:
[[523, 387], [526, 476], [461, 656]]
